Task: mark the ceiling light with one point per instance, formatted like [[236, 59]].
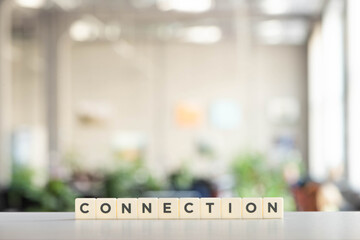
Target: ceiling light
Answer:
[[142, 3], [31, 3], [291, 32], [194, 6], [200, 34], [68, 5], [85, 29], [278, 7], [274, 7]]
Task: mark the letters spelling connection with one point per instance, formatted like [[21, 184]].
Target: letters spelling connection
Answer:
[[179, 208]]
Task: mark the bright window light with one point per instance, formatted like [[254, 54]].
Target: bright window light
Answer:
[[354, 93], [193, 6], [31, 3], [326, 94], [282, 31], [200, 34]]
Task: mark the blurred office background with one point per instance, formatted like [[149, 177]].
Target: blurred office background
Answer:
[[131, 98]]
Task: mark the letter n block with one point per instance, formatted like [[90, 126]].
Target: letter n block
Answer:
[[127, 208], [273, 207], [148, 208]]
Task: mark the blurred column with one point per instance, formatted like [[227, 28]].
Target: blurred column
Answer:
[[50, 37], [353, 41], [245, 54], [5, 91]]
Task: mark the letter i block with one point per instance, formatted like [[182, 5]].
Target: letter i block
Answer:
[[85, 208], [189, 208], [168, 208], [231, 208], [106, 208], [210, 207], [148, 208], [273, 207], [252, 208], [127, 208]]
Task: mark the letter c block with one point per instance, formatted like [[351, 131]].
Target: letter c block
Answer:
[[189, 208], [85, 208]]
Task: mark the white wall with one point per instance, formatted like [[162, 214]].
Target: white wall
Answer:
[[144, 89]]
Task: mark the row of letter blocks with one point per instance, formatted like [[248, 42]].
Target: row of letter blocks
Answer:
[[178, 208]]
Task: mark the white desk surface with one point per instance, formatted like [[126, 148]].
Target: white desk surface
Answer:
[[295, 225]]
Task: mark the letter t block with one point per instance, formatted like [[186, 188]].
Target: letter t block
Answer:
[[210, 207]]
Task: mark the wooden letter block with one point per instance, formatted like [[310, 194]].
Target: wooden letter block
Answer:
[[273, 207], [127, 208], [168, 208], [179, 208], [210, 207], [148, 208], [189, 208], [231, 208], [252, 208], [85, 208], [106, 208]]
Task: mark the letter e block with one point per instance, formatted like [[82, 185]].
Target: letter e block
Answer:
[[168, 208]]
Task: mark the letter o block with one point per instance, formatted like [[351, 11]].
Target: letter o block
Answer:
[[127, 208], [106, 208], [85, 208], [252, 208], [189, 208]]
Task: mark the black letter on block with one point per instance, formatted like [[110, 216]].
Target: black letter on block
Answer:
[[229, 207], [128, 208], [185, 207], [81, 208], [147, 208], [102, 207], [274, 208], [247, 207], [209, 204], [167, 207]]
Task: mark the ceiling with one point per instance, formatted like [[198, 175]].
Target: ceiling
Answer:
[[272, 21]]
